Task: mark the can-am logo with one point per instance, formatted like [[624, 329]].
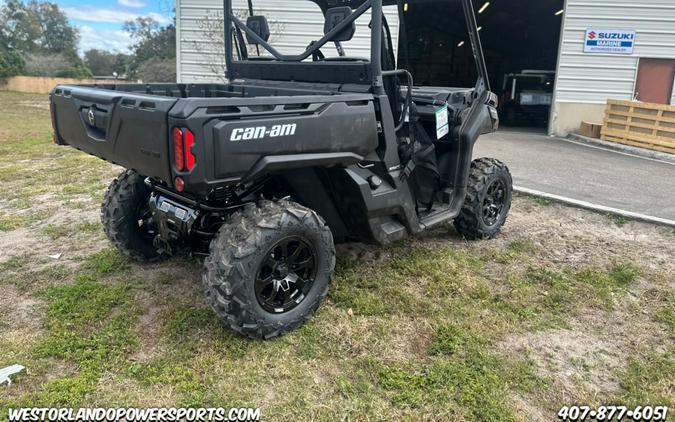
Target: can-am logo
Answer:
[[261, 132]]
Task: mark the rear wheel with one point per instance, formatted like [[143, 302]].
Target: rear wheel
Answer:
[[127, 219], [488, 200], [269, 268]]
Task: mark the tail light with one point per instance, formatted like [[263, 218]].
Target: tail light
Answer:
[[189, 157], [178, 149], [183, 140]]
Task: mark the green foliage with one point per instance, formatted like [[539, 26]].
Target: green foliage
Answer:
[[648, 380], [11, 63], [89, 227], [448, 340], [37, 39], [55, 65], [154, 50], [88, 323], [13, 263], [169, 372], [619, 220], [157, 70], [185, 321], [105, 63], [624, 274], [55, 231], [37, 27], [473, 382], [107, 261]]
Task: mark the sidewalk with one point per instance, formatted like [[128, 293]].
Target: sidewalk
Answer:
[[594, 177]]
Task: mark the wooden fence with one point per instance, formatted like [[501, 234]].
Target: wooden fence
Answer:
[[42, 85], [639, 124]]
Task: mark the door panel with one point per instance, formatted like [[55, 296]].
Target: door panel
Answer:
[[655, 81]]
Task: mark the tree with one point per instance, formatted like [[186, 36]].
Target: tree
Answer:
[[55, 65], [37, 27], [40, 33], [154, 48], [11, 63], [157, 70], [105, 63]]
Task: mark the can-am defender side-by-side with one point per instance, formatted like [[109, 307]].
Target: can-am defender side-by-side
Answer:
[[265, 173]]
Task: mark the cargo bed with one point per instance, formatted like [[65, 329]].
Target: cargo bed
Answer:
[[131, 124]]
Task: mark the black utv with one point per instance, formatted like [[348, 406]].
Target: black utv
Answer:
[[264, 174]]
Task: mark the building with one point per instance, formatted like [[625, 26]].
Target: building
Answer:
[[199, 32], [586, 80], [599, 49]]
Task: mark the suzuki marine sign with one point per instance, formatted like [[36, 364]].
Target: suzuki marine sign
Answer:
[[609, 41]]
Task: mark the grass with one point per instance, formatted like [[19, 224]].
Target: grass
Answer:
[[649, 380], [425, 330], [619, 220]]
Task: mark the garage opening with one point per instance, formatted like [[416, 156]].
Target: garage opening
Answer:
[[520, 42]]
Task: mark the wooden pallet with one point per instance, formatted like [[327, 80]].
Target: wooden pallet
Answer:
[[638, 124]]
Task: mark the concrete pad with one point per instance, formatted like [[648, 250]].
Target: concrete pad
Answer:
[[586, 173]]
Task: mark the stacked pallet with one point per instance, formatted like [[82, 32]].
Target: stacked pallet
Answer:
[[639, 124]]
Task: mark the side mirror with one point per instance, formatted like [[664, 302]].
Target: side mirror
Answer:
[[258, 24], [334, 17]]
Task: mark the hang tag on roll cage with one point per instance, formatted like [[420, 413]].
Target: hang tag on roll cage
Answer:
[[442, 124]]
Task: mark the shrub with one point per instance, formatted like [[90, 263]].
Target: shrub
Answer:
[[157, 70], [11, 63]]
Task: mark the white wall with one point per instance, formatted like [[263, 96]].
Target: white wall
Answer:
[[593, 78], [297, 22]]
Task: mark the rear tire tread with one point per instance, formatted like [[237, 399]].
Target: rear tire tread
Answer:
[[121, 200], [230, 265]]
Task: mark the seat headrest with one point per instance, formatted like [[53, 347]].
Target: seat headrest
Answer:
[[258, 24], [336, 15]]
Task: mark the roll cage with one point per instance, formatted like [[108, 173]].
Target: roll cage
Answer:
[[370, 72]]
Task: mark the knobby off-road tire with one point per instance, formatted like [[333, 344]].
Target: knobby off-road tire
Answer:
[[488, 200], [125, 217], [252, 243]]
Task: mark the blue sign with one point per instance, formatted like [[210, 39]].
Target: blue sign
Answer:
[[609, 41]]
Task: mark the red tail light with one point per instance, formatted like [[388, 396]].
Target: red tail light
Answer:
[[182, 154], [189, 157], [178, 149]]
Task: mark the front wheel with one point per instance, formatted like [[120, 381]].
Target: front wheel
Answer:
[[488, 200], [269, 268]]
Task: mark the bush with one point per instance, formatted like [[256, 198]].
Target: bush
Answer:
[[11, 63], [55, 65], [157, 70]]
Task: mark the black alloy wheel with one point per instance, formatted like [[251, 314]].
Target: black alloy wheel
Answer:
[[494, 202], [286, 276]]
